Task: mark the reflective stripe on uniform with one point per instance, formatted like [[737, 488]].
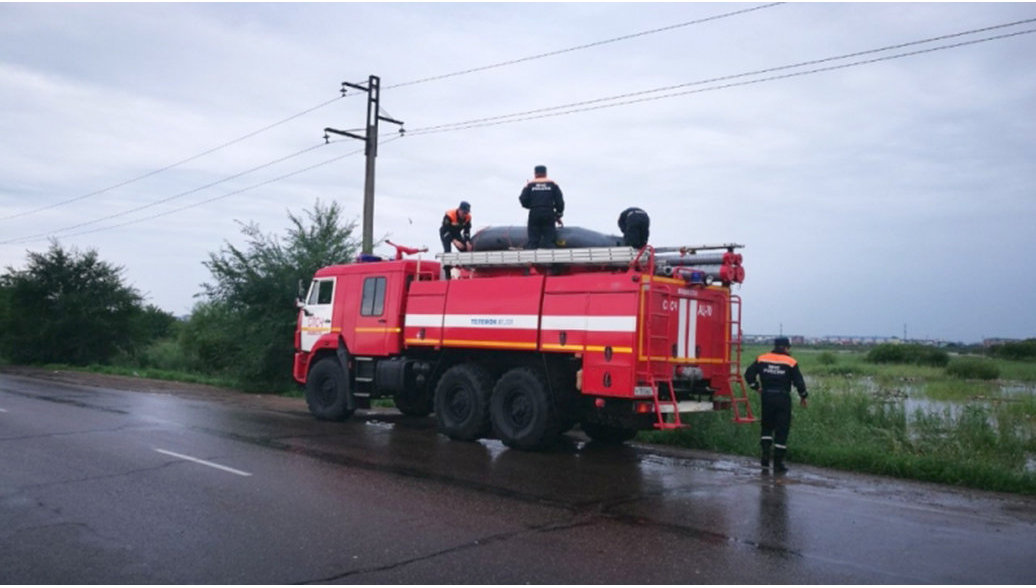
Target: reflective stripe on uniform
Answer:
[[778, 358]]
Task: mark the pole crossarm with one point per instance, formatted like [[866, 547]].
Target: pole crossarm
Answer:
[[345, 133]]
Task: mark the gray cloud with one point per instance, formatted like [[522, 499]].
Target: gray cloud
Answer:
[[868, 197]]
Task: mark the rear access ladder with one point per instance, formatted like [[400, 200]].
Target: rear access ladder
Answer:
[[655, 349], [739, 401]]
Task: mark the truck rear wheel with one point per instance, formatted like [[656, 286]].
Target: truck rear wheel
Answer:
[[462, 402], [608, 433], [327, 391], [524, 414]]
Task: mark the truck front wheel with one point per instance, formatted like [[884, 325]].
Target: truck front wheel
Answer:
[[327, 391], [462, 402], [524, 414]]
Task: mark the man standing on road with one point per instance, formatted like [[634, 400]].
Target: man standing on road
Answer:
[[778, 371], [546, 206]]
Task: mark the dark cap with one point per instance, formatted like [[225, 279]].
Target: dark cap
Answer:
[[540, 170], [781, 342], [465, 206]]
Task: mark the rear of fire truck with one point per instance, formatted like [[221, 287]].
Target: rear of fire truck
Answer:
[[662, 342]]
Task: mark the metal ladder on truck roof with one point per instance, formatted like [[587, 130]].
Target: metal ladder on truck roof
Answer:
[[600, 256], [605, 256]]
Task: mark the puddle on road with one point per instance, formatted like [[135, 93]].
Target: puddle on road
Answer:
[[379, 424]]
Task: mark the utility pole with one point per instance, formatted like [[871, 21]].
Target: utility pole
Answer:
[[370, 139]]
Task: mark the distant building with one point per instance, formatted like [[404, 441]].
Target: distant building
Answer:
[[997, 341], [857, 340]]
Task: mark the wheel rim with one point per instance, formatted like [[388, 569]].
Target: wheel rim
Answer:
[[328, 392], [459, 404], [518, 408]]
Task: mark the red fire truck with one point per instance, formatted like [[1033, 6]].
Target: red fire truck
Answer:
[[524, 345]]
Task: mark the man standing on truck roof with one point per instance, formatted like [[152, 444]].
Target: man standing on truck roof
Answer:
[[456, 228], [546, 206], [778, 371], [634, 224]]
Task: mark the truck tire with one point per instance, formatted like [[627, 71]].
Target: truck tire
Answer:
[[327, 391], [462, 402], [607, 433], [524, 414]]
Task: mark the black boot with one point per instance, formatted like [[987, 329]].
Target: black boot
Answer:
[[765, 461], [778, 461]]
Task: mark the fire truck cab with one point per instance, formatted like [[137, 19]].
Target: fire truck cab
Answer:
[[524, 345]]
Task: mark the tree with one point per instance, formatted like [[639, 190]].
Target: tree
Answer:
[[245, 327], [66, 307]]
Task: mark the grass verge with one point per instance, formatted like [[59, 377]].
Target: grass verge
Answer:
[[965, 433], [149, 373]]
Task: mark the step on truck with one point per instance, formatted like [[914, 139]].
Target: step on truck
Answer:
[[524, 345]]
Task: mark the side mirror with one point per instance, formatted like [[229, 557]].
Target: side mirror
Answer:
[[299, 304]]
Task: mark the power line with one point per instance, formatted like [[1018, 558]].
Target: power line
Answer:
[[164, 200], [171, 165], [586, 46], [623, 99], [228, 194], [220, 197]]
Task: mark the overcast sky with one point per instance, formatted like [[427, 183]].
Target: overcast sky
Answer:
[[891, 195]]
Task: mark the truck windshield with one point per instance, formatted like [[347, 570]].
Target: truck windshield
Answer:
[[322, 292]]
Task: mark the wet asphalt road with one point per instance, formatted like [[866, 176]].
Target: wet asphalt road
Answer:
[[137, 482]]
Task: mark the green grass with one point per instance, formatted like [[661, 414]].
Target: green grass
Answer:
[[954, 390], [149, 373], [1021, 371], [857, 421], [974, 368]]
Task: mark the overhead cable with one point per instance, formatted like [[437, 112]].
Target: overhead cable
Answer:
[[586, 46], [222, 196], [622, 99], [164, 200], [171, 165]]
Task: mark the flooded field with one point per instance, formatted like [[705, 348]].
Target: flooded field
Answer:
[[924, 411]]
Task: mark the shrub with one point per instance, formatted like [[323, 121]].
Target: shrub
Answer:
[[908, 354], [245, 325], [973, 368], [1019, 350], [69, 307], [837, 370], [827, 358]]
